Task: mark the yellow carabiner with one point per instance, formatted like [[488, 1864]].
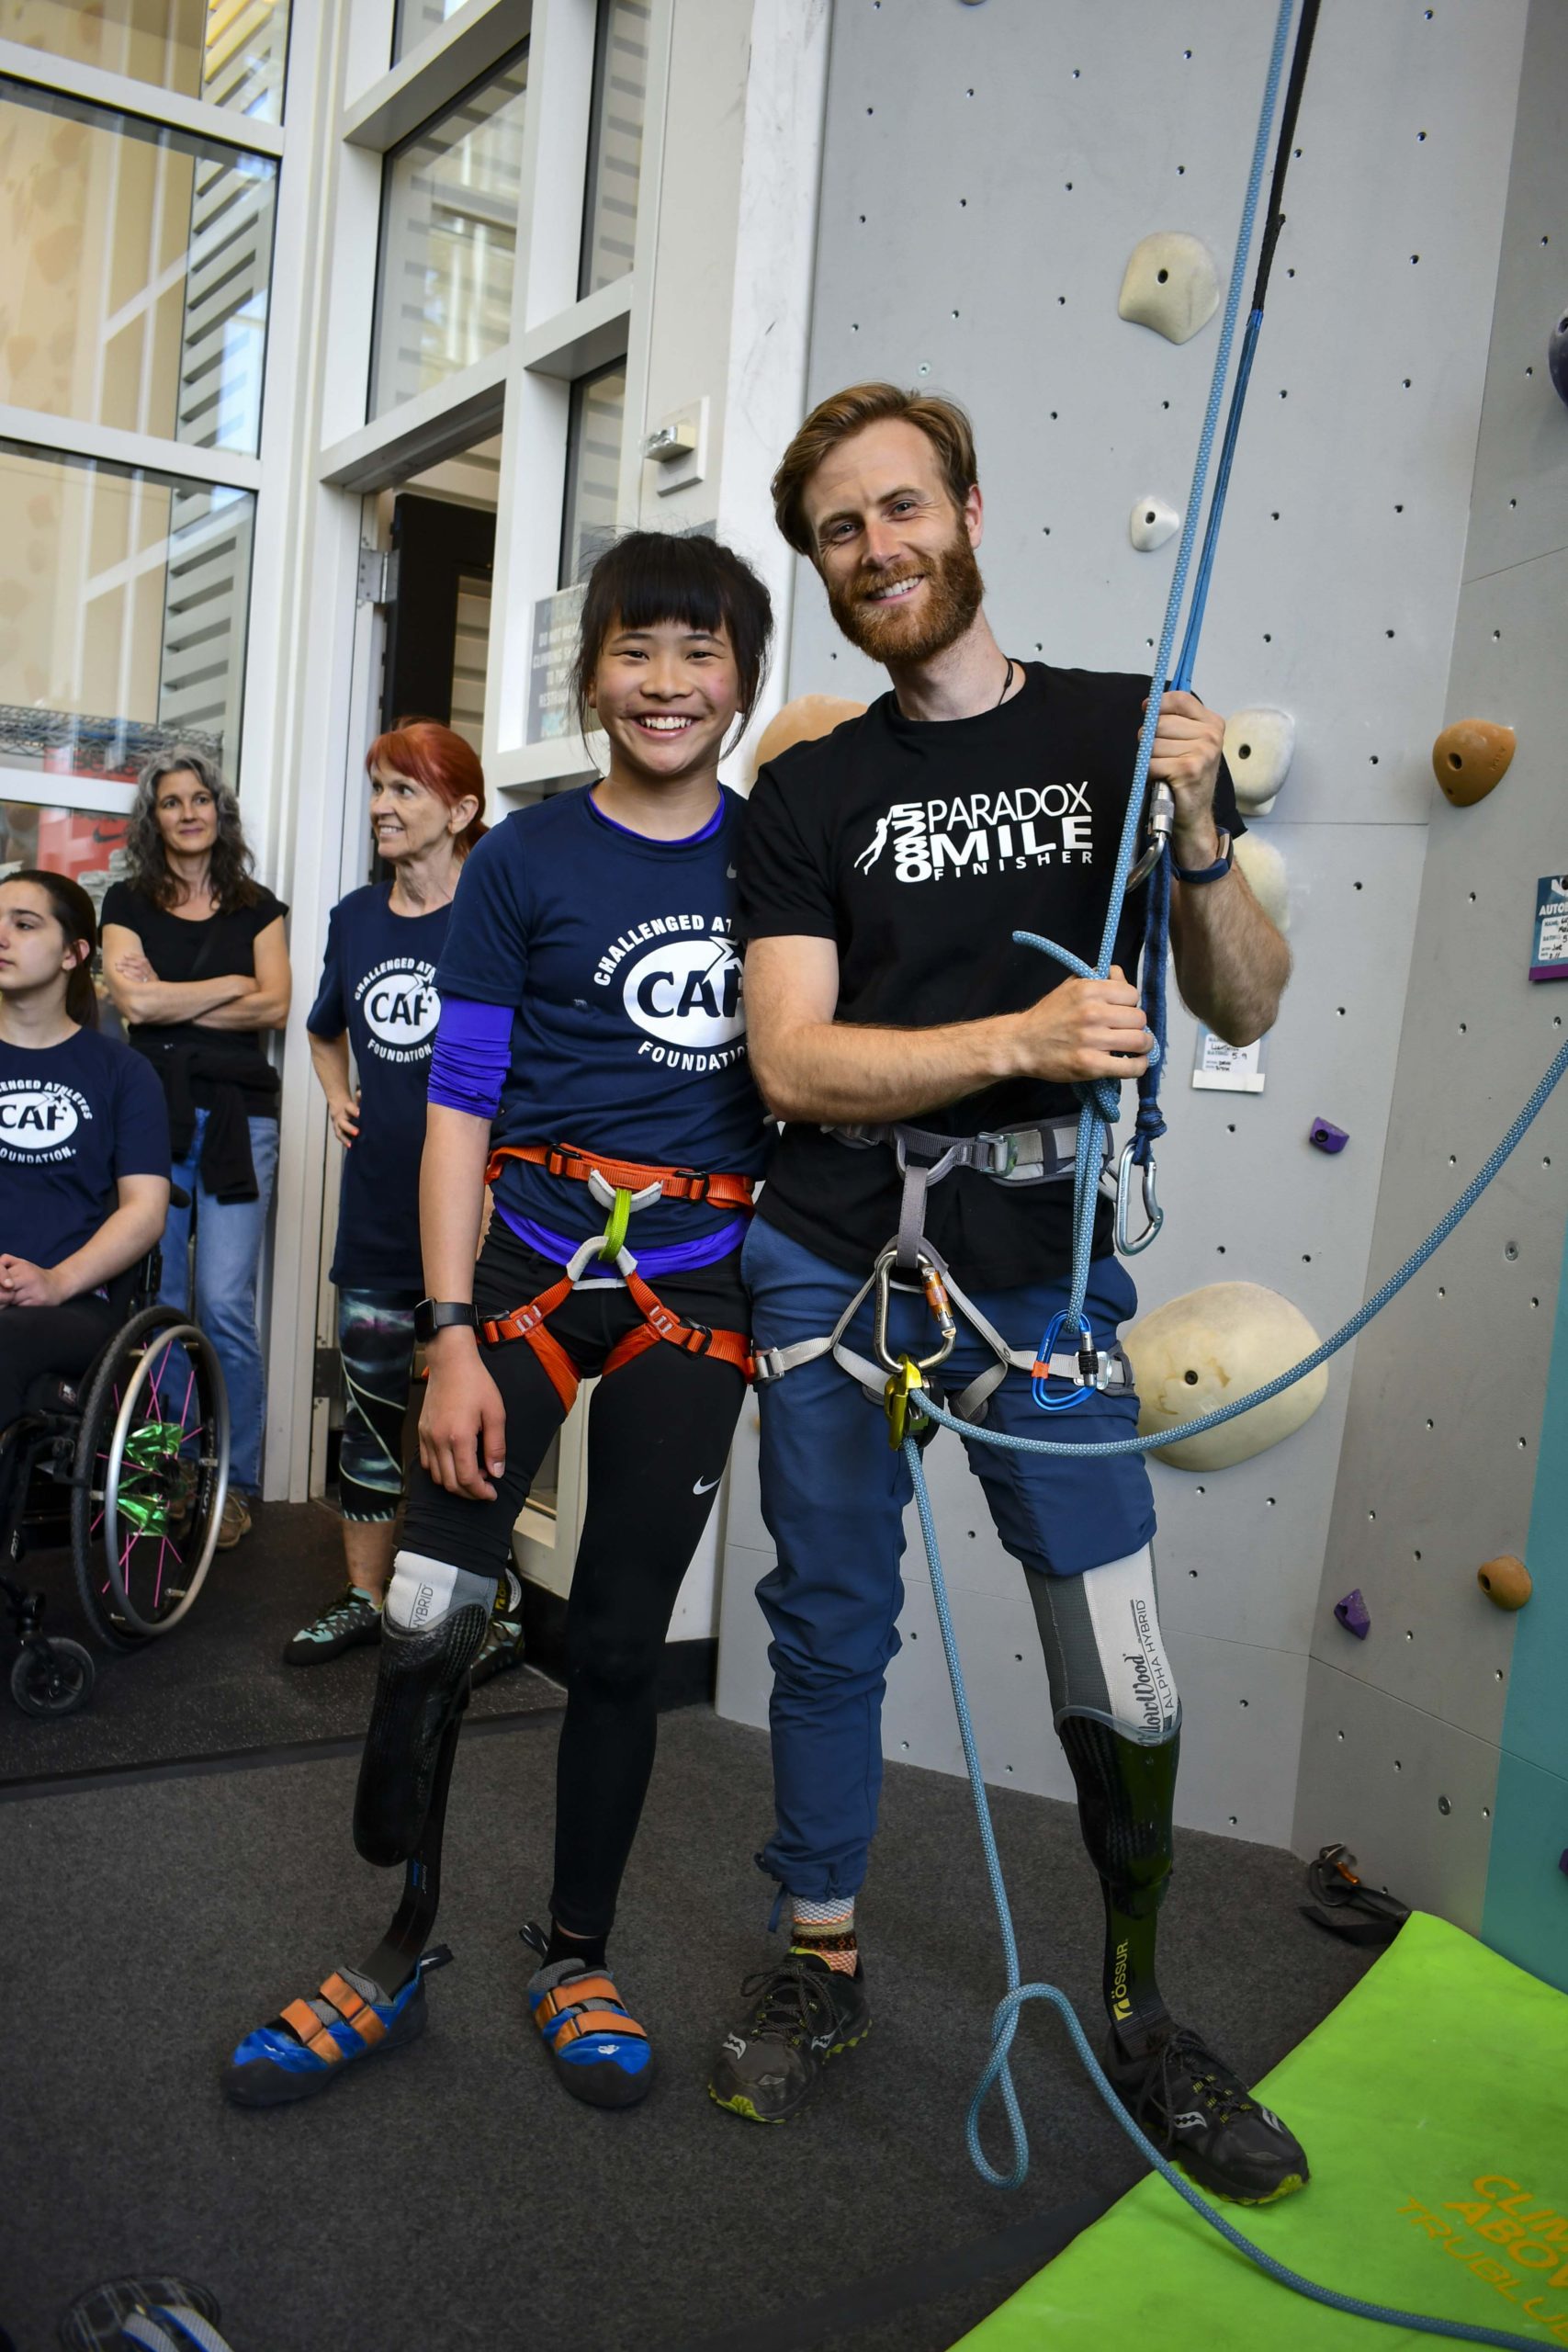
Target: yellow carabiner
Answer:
[[905, 1418], [615, 1240]]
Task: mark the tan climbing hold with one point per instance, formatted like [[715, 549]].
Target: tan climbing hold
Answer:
[[802, 721], [1505, 1581], [1471, 758], [1170, 284], [1206, 1348], [1258, 747], [1265, 871]]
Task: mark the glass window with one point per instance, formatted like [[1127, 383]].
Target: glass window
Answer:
[[147, 253], [123, 597], [615, 154], [592, 470], [88, 846], [230, 53], [448, 240], [416, 18]]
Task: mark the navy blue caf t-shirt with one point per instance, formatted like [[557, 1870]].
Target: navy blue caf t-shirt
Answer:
[[73, 1119], [628, 1034], [378, 983]]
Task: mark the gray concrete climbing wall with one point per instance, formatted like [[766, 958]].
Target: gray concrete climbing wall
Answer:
[[988, 171], [1405, 1731]]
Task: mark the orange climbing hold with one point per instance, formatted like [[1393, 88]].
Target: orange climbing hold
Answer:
[[1471, 758], [1505, 1581]]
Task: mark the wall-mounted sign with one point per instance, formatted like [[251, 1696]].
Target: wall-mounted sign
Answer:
[[1228, 1069], [1549, 960], [552, 648]]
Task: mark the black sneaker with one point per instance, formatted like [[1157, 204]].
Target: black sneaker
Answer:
[[502, 1648], [802, 2014], [350, 1618], [1196, 2112]]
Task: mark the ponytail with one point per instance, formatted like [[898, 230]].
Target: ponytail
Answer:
[[73, 911]]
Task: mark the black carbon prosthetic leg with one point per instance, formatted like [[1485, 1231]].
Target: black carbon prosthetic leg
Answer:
[[1127, 1792], [421, 1691], [401, 1950]]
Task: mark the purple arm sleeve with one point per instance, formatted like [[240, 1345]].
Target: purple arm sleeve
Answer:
[[473, 1046]]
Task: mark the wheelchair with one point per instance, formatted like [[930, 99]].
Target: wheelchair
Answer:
[[129, 1464]]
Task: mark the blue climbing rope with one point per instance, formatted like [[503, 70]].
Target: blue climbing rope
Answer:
[[1004, 2025]]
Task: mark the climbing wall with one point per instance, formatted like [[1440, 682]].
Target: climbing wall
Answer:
[[988, 169], [1437, 1747]]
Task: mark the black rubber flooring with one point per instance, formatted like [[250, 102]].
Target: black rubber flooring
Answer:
[[217, 1684], [453, 2196]]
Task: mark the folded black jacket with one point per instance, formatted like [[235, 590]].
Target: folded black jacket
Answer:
[[240, 1085]]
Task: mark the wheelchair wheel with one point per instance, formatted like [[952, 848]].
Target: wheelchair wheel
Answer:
[[52, 1676], [151, 1473]]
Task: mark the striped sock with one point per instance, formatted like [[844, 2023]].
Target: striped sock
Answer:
[[827, 1931]]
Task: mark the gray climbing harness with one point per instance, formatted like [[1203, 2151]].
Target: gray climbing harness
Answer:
[[912, 1264]]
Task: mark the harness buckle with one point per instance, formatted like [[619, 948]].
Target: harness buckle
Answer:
[[1154, 1214], [936, 1299], [767, 1366]]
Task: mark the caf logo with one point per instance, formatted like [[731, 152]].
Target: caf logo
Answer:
[[400, 1005], [38, 1118], [686, 992]]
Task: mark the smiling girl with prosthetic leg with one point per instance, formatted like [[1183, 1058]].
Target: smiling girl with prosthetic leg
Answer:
[[591, 1065]]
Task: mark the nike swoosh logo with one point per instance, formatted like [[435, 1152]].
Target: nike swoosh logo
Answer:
[[729, 873], [699, 1489]]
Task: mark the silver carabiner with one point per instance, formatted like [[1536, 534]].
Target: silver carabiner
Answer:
[[937, 1301], [1126, 1245], [1162, 821]]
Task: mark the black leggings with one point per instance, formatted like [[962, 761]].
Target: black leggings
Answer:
[[36, 1340], [658, 1433]]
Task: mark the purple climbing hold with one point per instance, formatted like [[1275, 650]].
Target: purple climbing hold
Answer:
[[1354, 1615], [1557, 357], [1326, 1136]]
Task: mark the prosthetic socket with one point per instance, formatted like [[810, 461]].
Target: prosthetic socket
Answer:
[[431, 1627]]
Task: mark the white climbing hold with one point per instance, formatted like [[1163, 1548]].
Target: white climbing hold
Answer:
[[1258, 747], [1170, 284], [1265, 870], [1151, 523], [1209, 1347]]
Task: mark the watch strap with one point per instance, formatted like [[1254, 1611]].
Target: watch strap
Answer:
[[433, 1314], [1215, 873]]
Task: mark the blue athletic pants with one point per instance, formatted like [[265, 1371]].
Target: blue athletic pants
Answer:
[[833, 1498]]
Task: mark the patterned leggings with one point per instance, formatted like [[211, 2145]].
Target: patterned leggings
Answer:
[[375, 1334]]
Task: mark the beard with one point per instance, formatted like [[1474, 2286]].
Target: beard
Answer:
[[891, 633]]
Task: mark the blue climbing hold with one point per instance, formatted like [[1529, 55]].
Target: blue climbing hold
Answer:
[[1354, 1615], [1327, 1136]]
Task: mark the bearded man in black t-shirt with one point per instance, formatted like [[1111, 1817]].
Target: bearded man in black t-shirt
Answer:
[[884, 871]]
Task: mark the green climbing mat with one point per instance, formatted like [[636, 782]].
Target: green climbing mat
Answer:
[[1433, 2105]]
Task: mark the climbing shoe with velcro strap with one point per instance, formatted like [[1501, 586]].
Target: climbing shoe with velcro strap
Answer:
[[1198, 2113], [350, 1618], [312, 2043], [802, 2013], [501, 1648], [600, 2053]]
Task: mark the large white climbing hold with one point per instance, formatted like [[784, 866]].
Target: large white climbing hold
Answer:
[[1265, 870], [1206, 1348], [1258, 745], [1170, 284], [1151, 523]]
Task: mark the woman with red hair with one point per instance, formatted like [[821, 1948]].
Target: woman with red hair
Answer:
[[371, 1029]]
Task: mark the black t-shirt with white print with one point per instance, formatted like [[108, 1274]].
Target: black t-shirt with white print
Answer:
[[918, 847]]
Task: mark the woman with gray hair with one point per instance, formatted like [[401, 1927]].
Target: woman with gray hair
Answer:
[[195, 959]]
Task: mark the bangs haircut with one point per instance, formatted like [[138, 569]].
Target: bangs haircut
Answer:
[[652, 576]]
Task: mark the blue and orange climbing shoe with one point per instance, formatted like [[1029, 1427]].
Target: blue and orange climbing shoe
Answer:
[[802, 2013], [313, 2043], [1200, 2115], [600, 2053]]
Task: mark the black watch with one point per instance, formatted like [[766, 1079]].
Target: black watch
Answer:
[[433, 1314]]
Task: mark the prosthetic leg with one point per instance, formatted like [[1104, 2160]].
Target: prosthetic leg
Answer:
[[433, 1626], [1118, 1717]]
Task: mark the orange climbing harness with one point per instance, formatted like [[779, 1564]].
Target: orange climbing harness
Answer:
[[621, 1186]]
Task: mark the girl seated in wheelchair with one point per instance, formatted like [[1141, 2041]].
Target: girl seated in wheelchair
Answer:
[[84, 1148]]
